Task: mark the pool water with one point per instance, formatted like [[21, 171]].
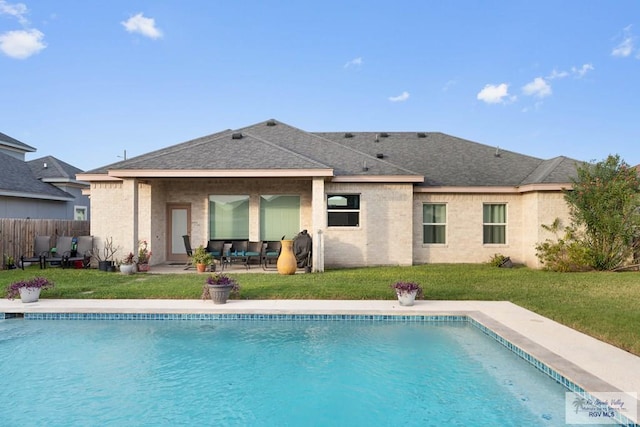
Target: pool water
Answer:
[[271, 373]]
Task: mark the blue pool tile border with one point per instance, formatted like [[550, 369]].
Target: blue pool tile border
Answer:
[[538, 364]]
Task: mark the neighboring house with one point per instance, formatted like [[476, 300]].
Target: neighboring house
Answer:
[[397, 198], [44, 188]]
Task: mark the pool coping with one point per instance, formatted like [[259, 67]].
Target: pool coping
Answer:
[[591, 364]]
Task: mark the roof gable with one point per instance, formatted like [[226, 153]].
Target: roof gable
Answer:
[[13, 143]]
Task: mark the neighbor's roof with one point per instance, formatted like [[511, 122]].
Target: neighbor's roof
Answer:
[[442, 160], [18, 180], [7, 141], [50, 169]]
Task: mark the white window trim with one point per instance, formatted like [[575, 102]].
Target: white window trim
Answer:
[[359, 211], [81, 208]]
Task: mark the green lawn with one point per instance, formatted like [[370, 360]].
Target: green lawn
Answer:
[[603, 305]]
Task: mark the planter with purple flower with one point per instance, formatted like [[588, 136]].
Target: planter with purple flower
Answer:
[[218, 287], [29, 290], [407, 292]]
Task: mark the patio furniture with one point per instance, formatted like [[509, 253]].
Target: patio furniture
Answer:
[[82, 253], [189, 251], [270, 254], [234, 252], [41, 247], [59, 254]]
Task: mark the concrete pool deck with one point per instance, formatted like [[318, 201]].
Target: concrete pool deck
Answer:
[[592, 364]]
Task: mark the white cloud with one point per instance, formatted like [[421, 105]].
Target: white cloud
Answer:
[[21, 44], [555, 74], [145, 26], [355, 62], [580, 72], [492, 94], [626, 46], [538, 88], [17, 10], [400, 98]]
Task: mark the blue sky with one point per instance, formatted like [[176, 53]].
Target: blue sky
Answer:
[[85, 80]]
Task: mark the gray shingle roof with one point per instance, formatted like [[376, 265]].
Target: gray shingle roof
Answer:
[[17, 178], [14, 143], [55, 169], [442, 159]]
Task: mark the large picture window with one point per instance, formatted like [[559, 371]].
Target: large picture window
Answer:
[[229, 217], [494, 223], [434, 223], [343, 210], [279, 216]]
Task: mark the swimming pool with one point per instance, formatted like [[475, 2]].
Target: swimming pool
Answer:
[[267, 372]]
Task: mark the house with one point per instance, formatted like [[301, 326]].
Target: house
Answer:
[[45, 188], [367, 198]]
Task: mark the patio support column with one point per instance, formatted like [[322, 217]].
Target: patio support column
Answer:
[[319, 223], [130, 208]]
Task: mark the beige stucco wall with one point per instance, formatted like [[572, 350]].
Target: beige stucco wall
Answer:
[[525, 213]]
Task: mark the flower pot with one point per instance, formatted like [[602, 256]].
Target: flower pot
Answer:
[[219, 293], [105, 265], [287, 263], [127, 269], [144, 267], [406, 298], [201, 268], [29, 294]]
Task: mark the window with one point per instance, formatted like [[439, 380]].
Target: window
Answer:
[[80, 213], [434, 223], [494, 224], [279, 216], [343, 210], [229, 217]]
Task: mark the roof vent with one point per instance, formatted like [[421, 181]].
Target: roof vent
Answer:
[[380, 155], [364, 166], [44, 165], [384, 135], [236, 136], [348, 135], [422, 135], [271, 122], [497, 153]]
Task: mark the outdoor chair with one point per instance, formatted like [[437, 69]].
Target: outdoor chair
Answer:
[[214, 248], [82, 253], [270, 253], [63, 248], [41, 247], [189, 251], [254, 251]]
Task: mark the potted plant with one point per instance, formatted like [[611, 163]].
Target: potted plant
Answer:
[[407, 292], [218, 287], [144, 255], [128, 264], [9, 262], [201, 258], [29, 290], [105, 256]]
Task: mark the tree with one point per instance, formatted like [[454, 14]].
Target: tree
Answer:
[[604, 205]]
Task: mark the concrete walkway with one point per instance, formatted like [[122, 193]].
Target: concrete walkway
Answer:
[[594, 365]]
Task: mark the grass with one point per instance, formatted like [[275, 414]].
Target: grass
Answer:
[[603, 305]]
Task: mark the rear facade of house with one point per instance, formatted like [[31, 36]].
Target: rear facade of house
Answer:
[[367, 198]]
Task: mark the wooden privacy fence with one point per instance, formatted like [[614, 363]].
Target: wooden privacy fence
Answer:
[[17, 235]]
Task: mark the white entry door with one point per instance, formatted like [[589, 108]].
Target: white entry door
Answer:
[[179, 224]]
